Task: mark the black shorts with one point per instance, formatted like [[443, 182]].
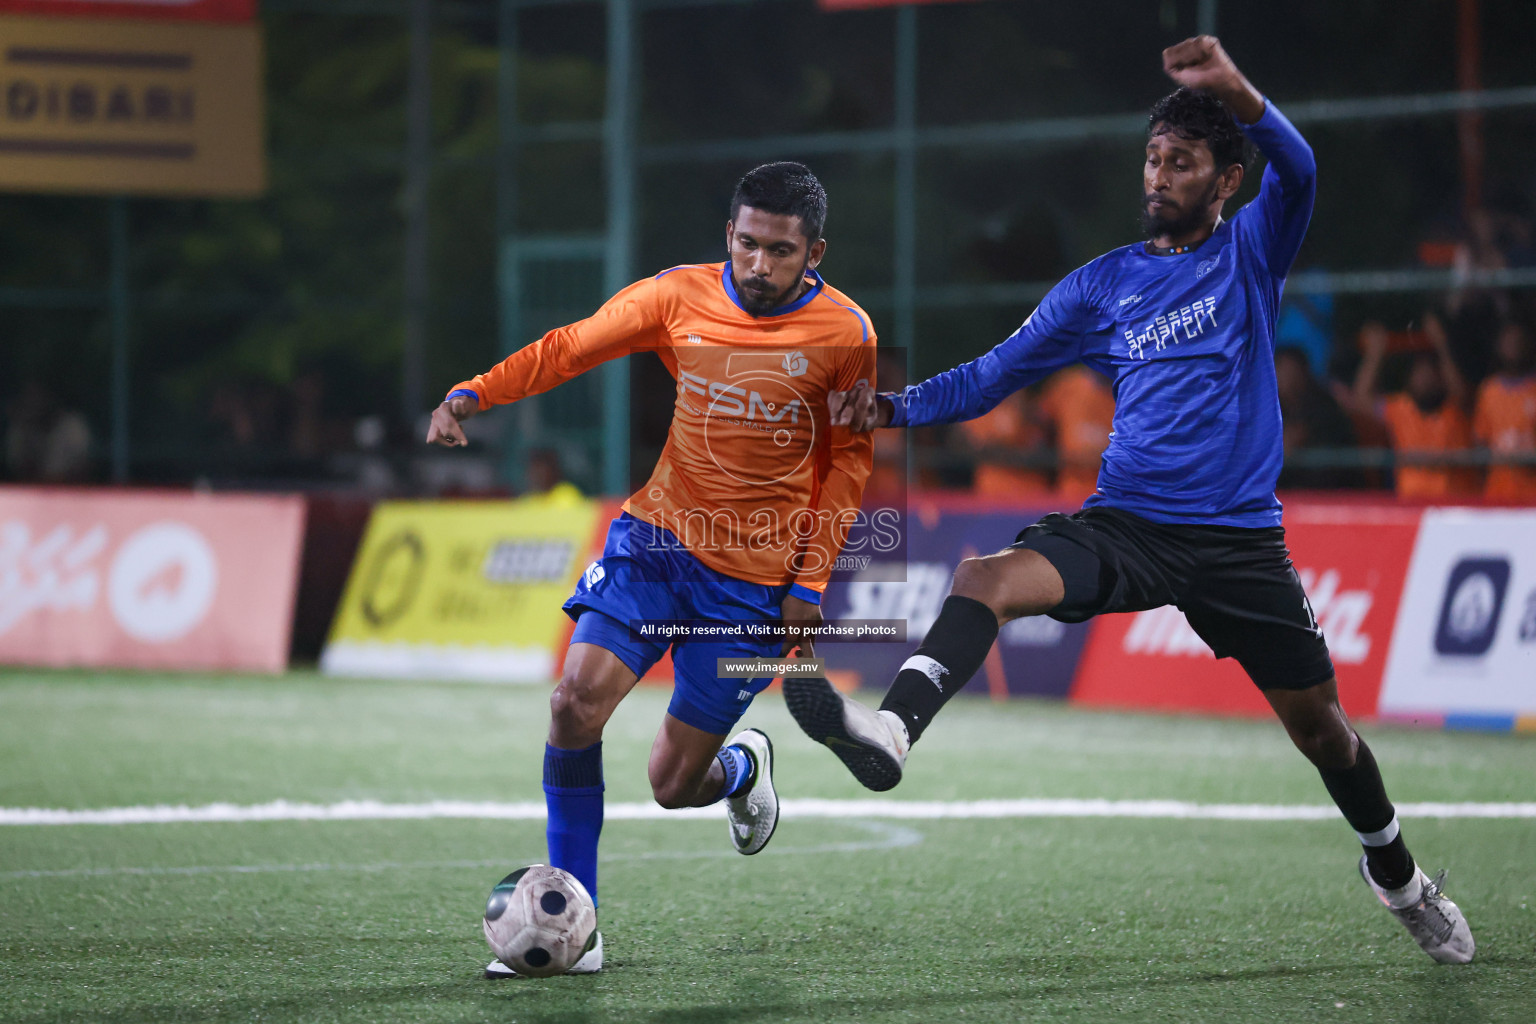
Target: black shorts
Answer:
[[1235, 585]]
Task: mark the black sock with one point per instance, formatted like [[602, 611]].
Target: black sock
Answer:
[[950, 654], [1362, 797]]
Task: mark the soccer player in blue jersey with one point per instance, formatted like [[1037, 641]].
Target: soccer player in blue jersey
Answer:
[[1185, 511]]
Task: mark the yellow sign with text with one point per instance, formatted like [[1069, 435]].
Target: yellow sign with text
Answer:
[[150, 108], [461, 590]]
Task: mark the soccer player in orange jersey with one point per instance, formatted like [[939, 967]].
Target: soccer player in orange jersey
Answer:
[[1505, 418], [739, 525]]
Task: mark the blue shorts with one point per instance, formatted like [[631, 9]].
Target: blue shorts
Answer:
[[645, 575]]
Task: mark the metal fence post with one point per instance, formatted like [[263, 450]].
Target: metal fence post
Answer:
[[619, 153], [118, 301]]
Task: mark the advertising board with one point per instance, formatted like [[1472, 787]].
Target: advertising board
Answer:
[[146, 107], [147, 579], [1465, 642], [461, 590]]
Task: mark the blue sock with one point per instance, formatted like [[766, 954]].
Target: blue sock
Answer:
[[573, 795], [738, 771]]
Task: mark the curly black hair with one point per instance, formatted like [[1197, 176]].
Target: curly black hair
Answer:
[[785, 188], [1196, 115]]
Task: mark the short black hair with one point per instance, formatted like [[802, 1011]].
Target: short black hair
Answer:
[[785, 188], [1196, 115]]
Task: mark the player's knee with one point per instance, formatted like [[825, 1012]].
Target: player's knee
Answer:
[[1326, 746], [575, 711], [977, 579], [671, 792]]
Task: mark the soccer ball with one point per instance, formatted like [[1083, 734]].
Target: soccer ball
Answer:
[[539, 921]]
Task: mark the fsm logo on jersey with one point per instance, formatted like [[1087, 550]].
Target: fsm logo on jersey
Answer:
[[1471, 607]]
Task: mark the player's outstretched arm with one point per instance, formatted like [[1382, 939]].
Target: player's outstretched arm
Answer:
[[631, 320], [1201, 63], [444, 428]]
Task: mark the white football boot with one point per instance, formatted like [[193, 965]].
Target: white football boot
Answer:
[[873, 744], [755, 814], [590, 963], [1435, 923]]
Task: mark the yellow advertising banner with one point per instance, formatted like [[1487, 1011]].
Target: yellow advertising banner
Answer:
[[133, 107], [461, 590]]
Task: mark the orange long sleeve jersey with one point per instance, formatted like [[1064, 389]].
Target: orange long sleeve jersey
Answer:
[[753, 481]]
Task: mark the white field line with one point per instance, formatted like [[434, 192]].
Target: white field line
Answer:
[[373, 810], [880, 837]]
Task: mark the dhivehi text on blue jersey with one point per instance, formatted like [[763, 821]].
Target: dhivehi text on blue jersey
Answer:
[[1187, 339]]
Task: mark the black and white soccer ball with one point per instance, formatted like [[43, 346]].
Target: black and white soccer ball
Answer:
[[540, 920]]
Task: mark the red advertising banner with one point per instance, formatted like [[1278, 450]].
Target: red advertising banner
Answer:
[[175, 10], [147, 579], [1352, 560]]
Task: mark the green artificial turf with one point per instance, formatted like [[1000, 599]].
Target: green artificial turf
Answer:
[[1072, 920]]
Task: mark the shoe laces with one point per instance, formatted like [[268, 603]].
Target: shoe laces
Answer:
[[1428, 912]]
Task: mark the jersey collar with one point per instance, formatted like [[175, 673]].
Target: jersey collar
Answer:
[[1142, 247], [811, 293]]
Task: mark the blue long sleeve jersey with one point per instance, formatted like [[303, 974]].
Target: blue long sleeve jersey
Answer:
[[1188, 341]]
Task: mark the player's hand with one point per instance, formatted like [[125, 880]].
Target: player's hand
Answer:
[[798, 617], [860, 409], [1200, 63], [1373, 339], [445, 429], [1434, 329]]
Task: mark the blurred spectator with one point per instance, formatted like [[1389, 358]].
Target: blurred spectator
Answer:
[[250, 414], [1313, 419], [996, 440], [306, 419], [1505, 419], [45, 443], [888, 481], [1081, 410], [1492, 239], [372, 470], [1425, 419], [1306, 323], [546, 480]]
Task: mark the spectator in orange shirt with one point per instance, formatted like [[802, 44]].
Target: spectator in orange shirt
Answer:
[[1007, 432], [1505, 418], [1081, 409], [1427, 418]]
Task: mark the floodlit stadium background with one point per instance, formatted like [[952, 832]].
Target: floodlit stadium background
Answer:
[[246, 246]]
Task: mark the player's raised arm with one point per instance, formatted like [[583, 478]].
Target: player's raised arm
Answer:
[[630, 320], [1284, 205]]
